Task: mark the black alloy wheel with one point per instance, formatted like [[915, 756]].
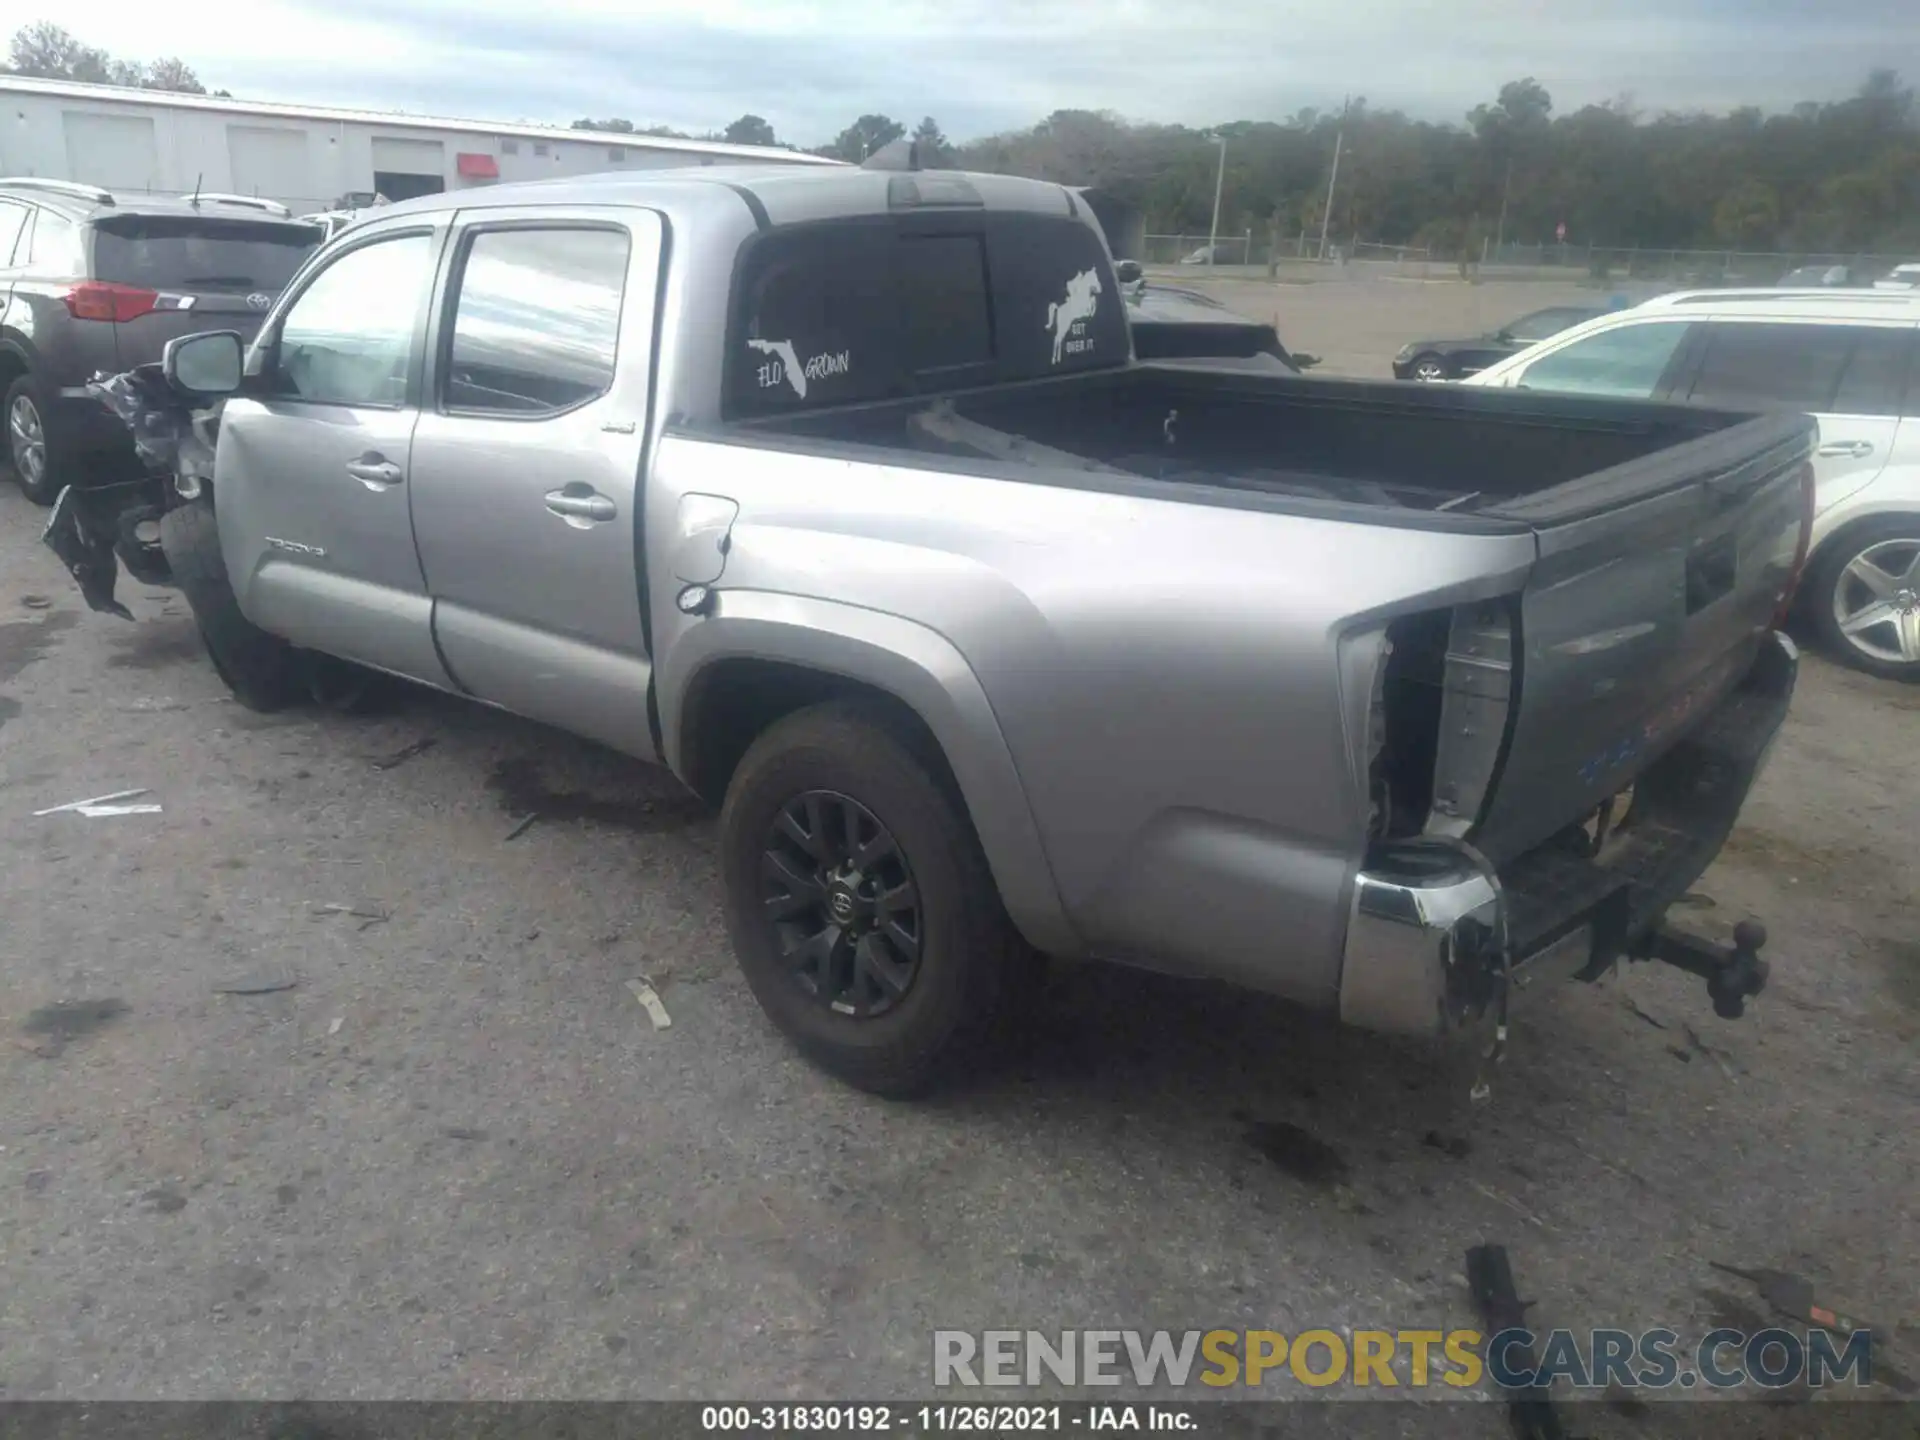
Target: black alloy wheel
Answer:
[[839, 893]]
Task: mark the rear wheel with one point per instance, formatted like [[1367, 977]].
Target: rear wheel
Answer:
[[860, 906], [37, 461], [262, 670], [1864, 597]]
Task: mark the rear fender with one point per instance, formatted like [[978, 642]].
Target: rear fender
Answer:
[[917, 667]]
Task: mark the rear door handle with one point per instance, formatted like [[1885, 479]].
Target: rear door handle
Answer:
[[1858, 449], [374, 471], [580, 510]]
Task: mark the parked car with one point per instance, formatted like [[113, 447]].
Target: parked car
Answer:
[[1851, 359], [1900, 277], [1177, 326], [93, 283], [1431, 360], [1809, 277], [852, 507]]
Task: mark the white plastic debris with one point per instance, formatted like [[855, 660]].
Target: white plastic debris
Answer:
[[333, 1025], [649, 999], [103, 805]]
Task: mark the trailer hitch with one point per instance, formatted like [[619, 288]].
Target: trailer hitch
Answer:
[[1733, 973]]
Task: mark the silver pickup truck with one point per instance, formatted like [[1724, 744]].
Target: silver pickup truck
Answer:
[[842, 494]]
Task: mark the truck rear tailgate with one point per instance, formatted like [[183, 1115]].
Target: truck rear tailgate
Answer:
[[1656, 583]]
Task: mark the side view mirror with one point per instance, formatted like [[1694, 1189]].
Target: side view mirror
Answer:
[[1127, 271], [205, 364], [1505, 337]]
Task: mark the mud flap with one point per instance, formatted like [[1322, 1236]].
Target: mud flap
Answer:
[[86, 550]]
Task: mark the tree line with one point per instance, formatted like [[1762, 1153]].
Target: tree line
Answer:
[[44, 51], [1838, 176]]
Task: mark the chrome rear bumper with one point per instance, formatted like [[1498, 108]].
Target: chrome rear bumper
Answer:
[[1428, 921]]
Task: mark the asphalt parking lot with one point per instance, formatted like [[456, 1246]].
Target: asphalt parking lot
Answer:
[[442, 1152]]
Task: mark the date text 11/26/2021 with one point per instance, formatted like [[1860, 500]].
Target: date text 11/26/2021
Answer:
[[945, 1419]]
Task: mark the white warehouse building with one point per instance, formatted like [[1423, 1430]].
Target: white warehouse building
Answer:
[[306, 157]]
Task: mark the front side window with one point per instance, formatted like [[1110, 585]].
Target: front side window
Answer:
[[537, 321], [349, 337], [1627, 362]]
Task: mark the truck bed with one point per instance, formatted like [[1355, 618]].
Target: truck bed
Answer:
[[1415, 449]]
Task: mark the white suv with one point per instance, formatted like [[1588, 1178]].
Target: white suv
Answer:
[[1851, 359]]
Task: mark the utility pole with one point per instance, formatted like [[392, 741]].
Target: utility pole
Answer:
[[1339, 138], [1219, 184]]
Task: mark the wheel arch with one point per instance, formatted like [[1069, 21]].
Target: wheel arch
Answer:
[[762, 657]]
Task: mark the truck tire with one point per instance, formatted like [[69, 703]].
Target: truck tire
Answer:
[[1862, 596], [860, 906], [263, 671]]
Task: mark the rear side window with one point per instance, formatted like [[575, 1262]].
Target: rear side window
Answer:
[[13, 219], [1774, 367], [52, 244], [1876, 372], [536, 323], [191, 252]]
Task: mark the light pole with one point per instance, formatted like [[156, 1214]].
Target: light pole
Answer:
[[1219, 185], [1326, 215]]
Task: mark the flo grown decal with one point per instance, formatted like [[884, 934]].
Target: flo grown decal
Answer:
[[785, 365], [1068, 318]]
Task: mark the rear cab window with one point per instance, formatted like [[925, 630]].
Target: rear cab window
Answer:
[[872, 307], [200, 252]]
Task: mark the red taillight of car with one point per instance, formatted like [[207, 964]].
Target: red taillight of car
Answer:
[[103, 300], [1800, 551]]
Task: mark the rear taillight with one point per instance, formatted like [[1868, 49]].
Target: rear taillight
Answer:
[[103, 300], [1788, 590]]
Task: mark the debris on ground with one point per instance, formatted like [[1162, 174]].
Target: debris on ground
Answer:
[[1793, 1296], [1700, 1047], [520, 829], [1456, 1147], [463, 1132], [166, 1200], [36, 602], [262, 984], [365, 911], [152, 707], [103, 805], [1490, 1278], [406, 753], [1512, 1204], [1654, 1021], [649, 999], [333, 1025]]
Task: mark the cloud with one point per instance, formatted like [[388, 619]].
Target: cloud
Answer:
[[985, 65]]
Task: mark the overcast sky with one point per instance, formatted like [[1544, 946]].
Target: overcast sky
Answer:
[[978, 66]]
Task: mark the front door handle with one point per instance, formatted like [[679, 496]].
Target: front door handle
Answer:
[[578, 509], [1858, 449], [376, 472]]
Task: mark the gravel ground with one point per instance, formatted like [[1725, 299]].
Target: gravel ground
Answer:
[[455, 1159]]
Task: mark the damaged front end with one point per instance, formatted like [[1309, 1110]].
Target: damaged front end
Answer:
[[101, 523]]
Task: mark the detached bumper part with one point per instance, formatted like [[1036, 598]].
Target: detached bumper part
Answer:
[[1428, 926]]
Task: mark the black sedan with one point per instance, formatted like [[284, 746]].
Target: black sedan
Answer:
[[1451, 359]]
